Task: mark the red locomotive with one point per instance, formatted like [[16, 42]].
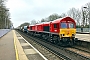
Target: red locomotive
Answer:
[[60, 31]]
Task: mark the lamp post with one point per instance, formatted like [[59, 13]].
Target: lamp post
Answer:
[[89, 21], [83, 18], [89, 17], [9, 23], [6, 19]]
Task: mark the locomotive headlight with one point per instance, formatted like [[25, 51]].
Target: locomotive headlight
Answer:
[[73, 35], [62, 34]]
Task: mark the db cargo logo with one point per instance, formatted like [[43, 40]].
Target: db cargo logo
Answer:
[[67, 31]]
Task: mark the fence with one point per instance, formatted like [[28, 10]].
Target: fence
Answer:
[[84, 29], [4, 31]]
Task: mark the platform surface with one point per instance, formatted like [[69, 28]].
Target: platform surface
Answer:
[[7, 51], [83, 37], [12, 48]]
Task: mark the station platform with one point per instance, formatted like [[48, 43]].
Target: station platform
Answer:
[[83, 37], [14, 47], [83, 32], [7, 51]]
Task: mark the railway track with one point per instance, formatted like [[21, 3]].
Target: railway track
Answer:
[[81, 51], [45, 51], [61, 52]]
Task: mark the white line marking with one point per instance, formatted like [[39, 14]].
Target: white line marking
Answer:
[[35, 49]]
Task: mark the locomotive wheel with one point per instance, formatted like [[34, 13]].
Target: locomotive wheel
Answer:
[[55, 41], [71, 43], [48, 39], [59, 41]]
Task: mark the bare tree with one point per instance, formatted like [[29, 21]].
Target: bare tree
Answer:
[[43, 20], [75, 14], [53, 17], [78, 17], [63, 15], [4, 15], [88, 13], [25, 24], [33, 22], [71, 13]]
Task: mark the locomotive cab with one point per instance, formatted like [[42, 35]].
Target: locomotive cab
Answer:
[[67, 29]]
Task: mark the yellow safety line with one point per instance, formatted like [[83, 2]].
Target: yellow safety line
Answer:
[[17, 56]]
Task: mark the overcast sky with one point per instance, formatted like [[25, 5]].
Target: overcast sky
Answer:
[[26, 10]]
